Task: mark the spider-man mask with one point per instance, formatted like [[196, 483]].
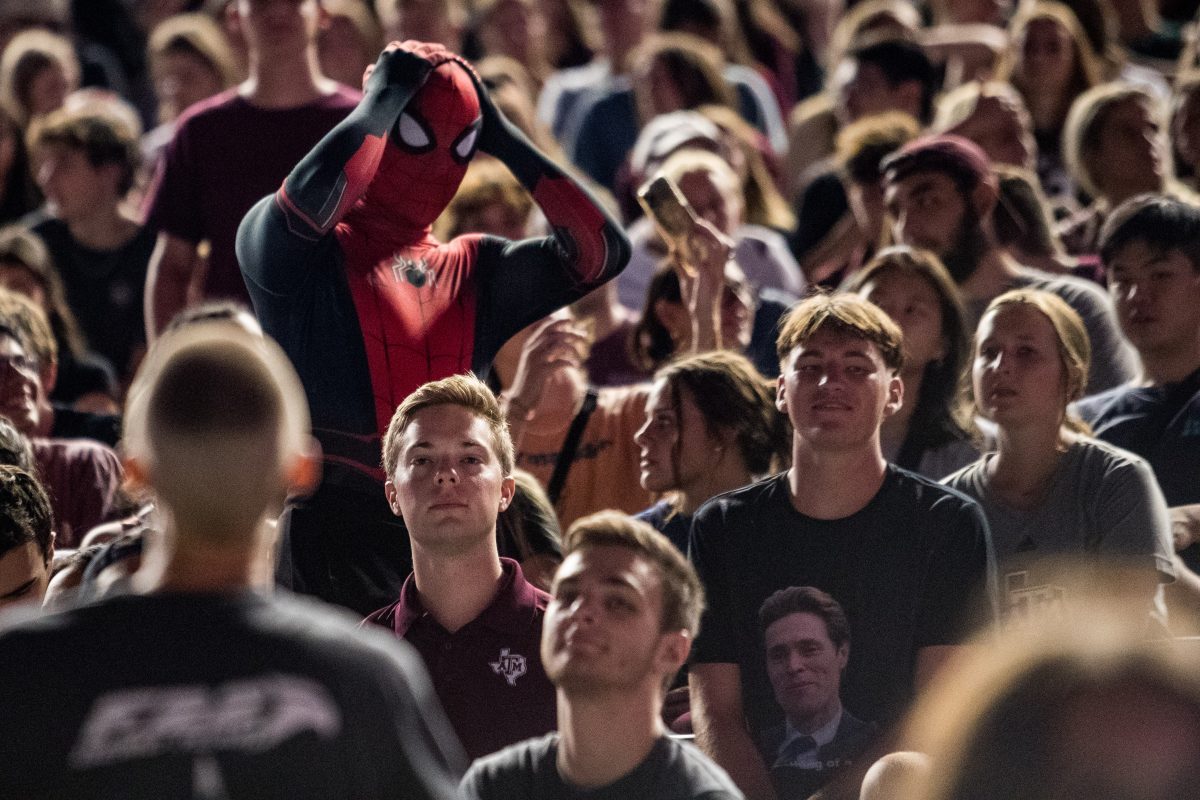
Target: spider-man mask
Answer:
[[428, 149]]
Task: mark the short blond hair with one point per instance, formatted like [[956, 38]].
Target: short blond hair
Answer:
[[466, 391], [682, 592], [846, 313]]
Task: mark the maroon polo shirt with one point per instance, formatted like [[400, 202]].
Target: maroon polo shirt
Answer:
[[488, 674]]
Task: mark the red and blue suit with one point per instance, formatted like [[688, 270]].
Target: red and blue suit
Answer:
[[344, 272]]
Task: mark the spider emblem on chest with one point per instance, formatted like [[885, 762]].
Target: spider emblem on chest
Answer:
[[416, 273]]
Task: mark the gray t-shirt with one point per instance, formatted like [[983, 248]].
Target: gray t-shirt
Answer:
[[1114, 361], [1103, 502], [528, 771]]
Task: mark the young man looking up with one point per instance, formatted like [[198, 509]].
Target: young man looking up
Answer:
[[941, 193], [625, 609], [472, 616], [196, 685], [901, 554], [1150, 248]]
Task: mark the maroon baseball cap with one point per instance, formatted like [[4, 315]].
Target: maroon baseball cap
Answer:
[[960, 158]]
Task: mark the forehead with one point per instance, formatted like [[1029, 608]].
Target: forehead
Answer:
[[1017, 319], [1139, 254], [900, 281], [610, 564], [445, 421], [920, 182], [831, 341], [795, 627]]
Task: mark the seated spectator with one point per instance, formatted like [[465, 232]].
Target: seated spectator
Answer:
[[992, 114], [942, 195], [1150, 247], [37, 71], [83, 478], [514, 28], [1050, 62], [806, 638], [1113, 149], [625, 608], [441, 21], [83, 380], [716, 194], [576, 440], [471, 615], [191, 60], [26, 538], [931, 434], [904, 557], [284, 698], [88, 162], [711, 426], [1050, 491]]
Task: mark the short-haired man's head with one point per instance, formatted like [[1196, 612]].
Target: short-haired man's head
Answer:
[[25, 514], [900, 61], [1070, 334], [806, 600], [103, 139], [682, 593], [847, 314], [466, 391], [1163, 224], [217, 419]]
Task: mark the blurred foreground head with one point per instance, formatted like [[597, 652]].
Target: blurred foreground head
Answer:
[[1087, 708]]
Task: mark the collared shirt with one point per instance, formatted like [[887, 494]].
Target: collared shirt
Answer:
[[488, 674], [808, 758]]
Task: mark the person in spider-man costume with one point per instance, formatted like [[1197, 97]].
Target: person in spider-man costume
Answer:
[[344, 272]]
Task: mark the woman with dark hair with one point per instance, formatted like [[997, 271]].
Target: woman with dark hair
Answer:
[[1049, 490], [528, 531], [931, 433], [711, 426]]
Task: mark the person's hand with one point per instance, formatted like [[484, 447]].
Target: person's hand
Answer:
[[700, 264], [494, 130], [408, 63], [556, 343], [1185, 526]]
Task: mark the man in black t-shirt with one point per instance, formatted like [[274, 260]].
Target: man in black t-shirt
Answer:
[[1150, 248], [625, 608], [901, 554], [196, 685]]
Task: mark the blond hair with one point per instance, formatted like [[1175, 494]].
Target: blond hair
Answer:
[[845, 313]]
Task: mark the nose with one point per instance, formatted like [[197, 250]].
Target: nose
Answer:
[[639, 438], [446, 472]]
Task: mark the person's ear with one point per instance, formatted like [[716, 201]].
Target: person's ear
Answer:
[[983, 199], [895, 399], [508, 488], [304, 472], [843, 655], [781, 395], [673, 649], [50, 549]]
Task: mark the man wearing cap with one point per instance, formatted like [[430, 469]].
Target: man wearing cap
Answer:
[[940, 192]]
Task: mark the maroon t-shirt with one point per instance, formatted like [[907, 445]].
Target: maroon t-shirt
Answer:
[[488, 674], [83, 479], [226, 155]]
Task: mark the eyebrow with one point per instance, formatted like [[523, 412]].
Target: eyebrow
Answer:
[[424, 445], [20, 590]]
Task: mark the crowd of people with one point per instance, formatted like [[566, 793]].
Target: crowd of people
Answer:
[[363, 435]]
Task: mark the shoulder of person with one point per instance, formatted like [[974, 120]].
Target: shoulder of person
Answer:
[[931, 495], [742, 499], [209, 111], [510, 772], [1107, 461], [706, 778]]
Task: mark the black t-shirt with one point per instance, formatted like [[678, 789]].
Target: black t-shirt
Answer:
[[216, 696], [104, 288], [908, 568], [527, 771], [1162, 425]]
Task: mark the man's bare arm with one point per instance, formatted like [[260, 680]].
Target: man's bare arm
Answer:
[[170, 273], [720, 725]]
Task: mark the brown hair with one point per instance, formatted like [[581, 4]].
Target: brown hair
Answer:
[[1089, 70], [1087, 117], [103, 138], [682, 593], [465, 391], [22, 314], [845, 313], [694, 65], [23, 248], [27, 54]]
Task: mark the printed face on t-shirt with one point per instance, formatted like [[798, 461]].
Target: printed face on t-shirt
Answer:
[[804, 666], [836, 390]]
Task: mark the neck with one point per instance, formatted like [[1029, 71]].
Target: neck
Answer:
[[604, 737], [818, 720], [834, 484], [1026, 459], [1170, 365], [105, 228], [287, 81], [996, 270], [730, 472], [211, 560], [894, 430], [456, 588]]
